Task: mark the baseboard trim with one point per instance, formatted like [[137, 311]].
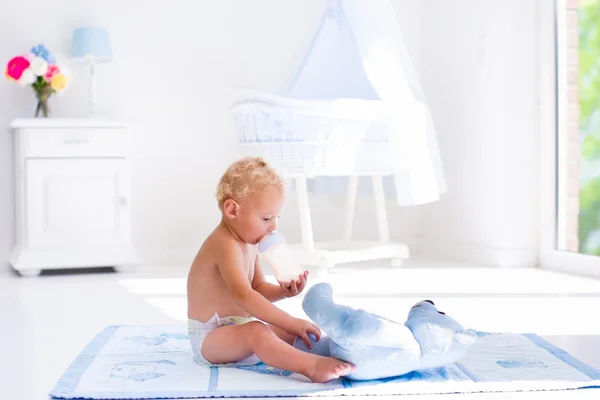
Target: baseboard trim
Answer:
[[523, 257], [570, 263], [185, 255], [476, 253], [167, 255]]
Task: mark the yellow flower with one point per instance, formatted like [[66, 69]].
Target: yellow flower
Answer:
[[10, 78], [59, 82]]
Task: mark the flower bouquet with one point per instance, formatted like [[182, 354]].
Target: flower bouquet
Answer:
[[39, 69]]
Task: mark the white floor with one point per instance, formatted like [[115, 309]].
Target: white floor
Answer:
[[46, 321]]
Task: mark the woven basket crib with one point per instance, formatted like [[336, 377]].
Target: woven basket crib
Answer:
[[315, 138]]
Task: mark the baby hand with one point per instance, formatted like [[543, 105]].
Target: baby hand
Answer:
[[302, 329], [292, 288]]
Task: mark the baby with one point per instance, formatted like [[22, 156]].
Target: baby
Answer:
[[232, 320]]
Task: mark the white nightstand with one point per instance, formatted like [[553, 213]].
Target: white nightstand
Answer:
[[72, 187]]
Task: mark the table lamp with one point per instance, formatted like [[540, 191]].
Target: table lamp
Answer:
[[91, 44]]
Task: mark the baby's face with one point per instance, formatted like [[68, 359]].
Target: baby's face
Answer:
[[259, 214]]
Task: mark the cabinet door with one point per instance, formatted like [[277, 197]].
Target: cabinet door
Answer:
[[75, 203]]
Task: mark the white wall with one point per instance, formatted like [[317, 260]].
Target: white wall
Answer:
[[174, 72], [478, 69]]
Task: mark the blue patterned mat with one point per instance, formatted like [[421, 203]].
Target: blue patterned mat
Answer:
[[151, 362]]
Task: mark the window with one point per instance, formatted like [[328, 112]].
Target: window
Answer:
[[570, 135]]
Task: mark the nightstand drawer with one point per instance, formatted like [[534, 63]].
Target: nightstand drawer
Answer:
[[76, 142]]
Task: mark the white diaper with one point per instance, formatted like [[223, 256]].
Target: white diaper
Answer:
[[197, 332]]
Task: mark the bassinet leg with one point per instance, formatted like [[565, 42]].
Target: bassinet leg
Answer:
[[381, 214], [305, 218], [350, 207]]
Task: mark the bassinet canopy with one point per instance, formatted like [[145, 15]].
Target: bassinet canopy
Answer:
[[355, 107]]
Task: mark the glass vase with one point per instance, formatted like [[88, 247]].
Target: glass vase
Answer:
[[43, 95]]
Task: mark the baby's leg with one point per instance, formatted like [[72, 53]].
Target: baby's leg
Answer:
[[283, 335], [233, 343], [321, 347]]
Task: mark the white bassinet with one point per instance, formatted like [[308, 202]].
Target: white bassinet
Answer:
[[313, 138], [354, 108], [307, 138]]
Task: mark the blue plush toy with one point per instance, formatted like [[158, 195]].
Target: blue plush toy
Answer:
[[380, 348]]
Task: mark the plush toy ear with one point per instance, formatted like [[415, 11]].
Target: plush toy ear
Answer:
[[466, 338]]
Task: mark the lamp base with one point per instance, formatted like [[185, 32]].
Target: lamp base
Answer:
[[92, 111]]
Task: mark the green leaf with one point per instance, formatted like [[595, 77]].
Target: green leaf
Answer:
[[590, 148], [589, 215]]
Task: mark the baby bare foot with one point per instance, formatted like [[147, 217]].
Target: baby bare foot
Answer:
[[328, 368]]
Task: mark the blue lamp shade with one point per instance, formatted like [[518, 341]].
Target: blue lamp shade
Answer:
[[91, 42]]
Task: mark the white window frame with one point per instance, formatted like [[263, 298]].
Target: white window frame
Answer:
[[552, 92]]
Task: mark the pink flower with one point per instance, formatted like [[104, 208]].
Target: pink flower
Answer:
[[52, 70], [16, 66]]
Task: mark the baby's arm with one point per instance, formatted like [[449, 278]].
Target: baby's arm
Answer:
[[270, 291], [231, 265]]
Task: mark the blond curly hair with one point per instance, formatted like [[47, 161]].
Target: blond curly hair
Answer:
[[246, 176]]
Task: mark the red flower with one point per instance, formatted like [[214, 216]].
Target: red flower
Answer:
[[16, 66]]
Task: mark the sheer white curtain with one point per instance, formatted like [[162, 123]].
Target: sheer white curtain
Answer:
[[358, 52]]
